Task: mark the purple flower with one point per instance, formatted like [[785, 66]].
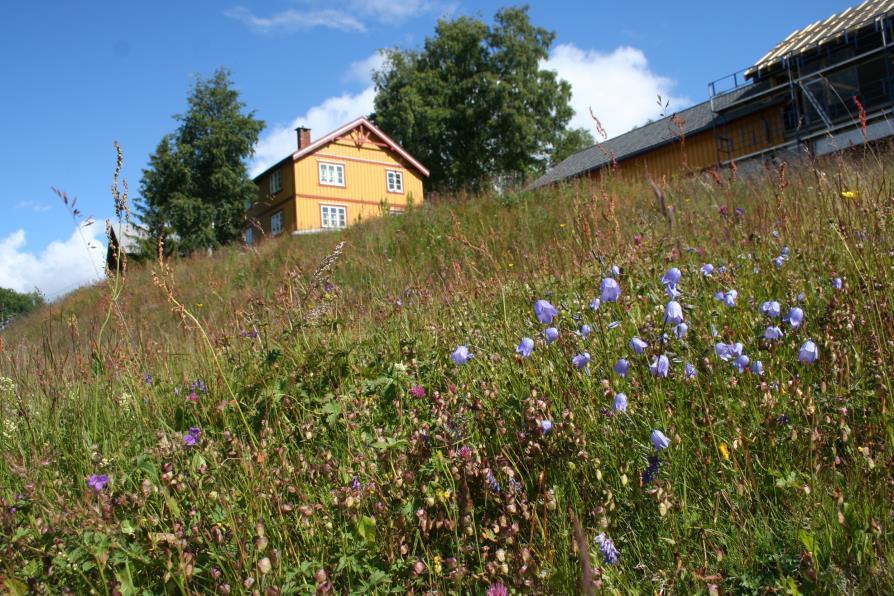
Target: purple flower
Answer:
[[610, 552], [719, 296], [673, 313], [546, 426], [730, 298], [672, 291], [620, 402], [771, 308], [638, 345], [621, 367], [417, 391], [497, 589], [689, 371], [551, 334], [461, 355], [681, 330], [192, 437], [794, 317], [660, 367], [492, 482], [581, 360], [545, 311], [659, 440], [148, 378], [837, 283], [615, 271], [584, 331], [742, 362], [611, 291], [779, 261], [757, 367], [97, 482], [595, 303], [728, 352], [784, 252], [652, 469], [672, 277], [808, 352], [707, 269], [525, 347], [772, 333], [740, 211]]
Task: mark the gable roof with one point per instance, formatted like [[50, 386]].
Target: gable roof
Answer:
[[126, 235], [649, 136], [825, 31]]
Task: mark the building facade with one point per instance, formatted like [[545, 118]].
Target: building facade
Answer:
[[825, 87], [351, 174]]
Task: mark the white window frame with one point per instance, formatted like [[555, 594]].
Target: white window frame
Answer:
[[276, 221], [332, 210], [332, 180], [394, 181], [275, 182]]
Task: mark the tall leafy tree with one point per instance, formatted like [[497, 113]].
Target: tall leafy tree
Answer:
[[13, 304], [197, 183], [474, 103]]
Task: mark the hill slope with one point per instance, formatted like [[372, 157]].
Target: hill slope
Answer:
[[290, 418]]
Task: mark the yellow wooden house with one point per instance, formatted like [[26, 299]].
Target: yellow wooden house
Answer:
[[351, 174]]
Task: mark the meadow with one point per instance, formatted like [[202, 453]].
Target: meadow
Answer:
[[579, 388]]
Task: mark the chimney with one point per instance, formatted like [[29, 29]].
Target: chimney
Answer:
[[303, 137]]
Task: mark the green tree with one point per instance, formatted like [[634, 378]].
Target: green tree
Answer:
[[197, 183], [474, 103], [572, 141], [14, 304]]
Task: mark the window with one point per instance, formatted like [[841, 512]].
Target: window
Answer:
[[332, 174], [275, 182], [248, 237], [333, 217], [276, 223], [395, 181]]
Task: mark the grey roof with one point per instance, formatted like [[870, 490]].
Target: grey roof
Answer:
[[649, 136], [127, 235], [820, 32]]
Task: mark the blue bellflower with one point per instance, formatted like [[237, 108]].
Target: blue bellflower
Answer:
[[771, 308], [551, 334], [681, 330], [689, 371], [461, 355], [660, 367], [794, 317], [610, 553], [772, 333], [545, 311], [611, 291], [808, 352], [672, 277], [581, 360], [585, 331], [525, 347], [673, 313], [659, 440], [620, 402], [707, 269], [621, 367], [638, 345]]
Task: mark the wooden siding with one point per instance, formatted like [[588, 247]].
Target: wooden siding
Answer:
[[267, 205], [708, 148], [365, 168]]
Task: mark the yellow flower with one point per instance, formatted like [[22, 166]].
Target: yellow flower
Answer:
[[436, 563], [724, 451], [849, 194]]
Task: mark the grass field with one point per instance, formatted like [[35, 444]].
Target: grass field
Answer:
[[291, 418]]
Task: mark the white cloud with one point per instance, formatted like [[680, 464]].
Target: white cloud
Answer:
[[344, 15], [619, 86], [59, 268], [362, 70], [297, 20], [332, 113], [34, 206]]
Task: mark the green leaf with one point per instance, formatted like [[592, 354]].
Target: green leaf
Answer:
[[366, 528]]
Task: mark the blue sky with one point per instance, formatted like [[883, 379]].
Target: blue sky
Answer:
[[79, 75]]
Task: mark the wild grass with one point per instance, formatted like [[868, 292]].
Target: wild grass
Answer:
[[335, 447]]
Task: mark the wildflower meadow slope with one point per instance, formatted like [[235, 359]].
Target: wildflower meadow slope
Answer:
[[578, 388]]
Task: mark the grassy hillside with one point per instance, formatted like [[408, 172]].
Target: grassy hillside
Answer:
[[289, 419]]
